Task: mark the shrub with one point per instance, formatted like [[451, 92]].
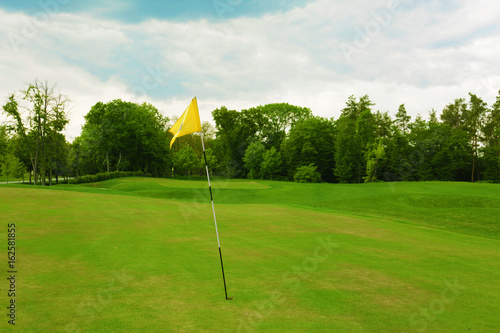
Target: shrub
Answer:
[[307, 174], [102, 176]]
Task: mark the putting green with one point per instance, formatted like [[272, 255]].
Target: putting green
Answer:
[[139, 254]]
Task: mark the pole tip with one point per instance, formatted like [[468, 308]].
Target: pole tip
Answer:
[[229, 298]]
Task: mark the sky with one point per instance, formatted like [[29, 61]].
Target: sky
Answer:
[[245, 53]]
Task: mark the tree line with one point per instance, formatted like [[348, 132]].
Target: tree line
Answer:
[[362, 145], [274, 141]]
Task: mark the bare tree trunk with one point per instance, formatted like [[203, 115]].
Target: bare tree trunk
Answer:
[[498, 165], [119, 161], [473, 160], [35, 166], [43, 173], [107, 162]]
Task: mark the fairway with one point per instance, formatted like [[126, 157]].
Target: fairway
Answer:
[[140, 255]]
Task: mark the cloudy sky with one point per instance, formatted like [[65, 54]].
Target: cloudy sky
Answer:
[[244, 53]]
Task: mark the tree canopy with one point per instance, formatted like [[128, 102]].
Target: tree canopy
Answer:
[[274, 141]]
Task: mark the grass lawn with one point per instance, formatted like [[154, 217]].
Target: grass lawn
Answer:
[[140, 255]]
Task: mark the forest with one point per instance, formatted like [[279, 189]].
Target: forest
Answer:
[[275, 141]]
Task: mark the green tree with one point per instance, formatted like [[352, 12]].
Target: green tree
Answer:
[[234, 132], [311, 141], [438, 152], [454, 114], [124, 136], [450, 160], [373, 154], [347, 153], [47, 107], [271, 164], [307, 174], [397, 151], [267, 124], [355, 131], [276, 120], [474, 121], [185, 161], [383, 124], [4, 141], [402, 119], [11, 166], [213, 163], [254, 156], [47, 117], [491, 149]]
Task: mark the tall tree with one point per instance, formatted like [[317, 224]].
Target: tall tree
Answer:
[[402, 119], [474, 122], [271, 164], [373, 155], [185, 161], [267, 124], [311, 141], [347, 152], [48, 113], [124, 136], [234, 132], [11, 166], [491, 149], [454, 114], [47, 117], [356, 130], [254, 156], [4, 140], [277, 120]]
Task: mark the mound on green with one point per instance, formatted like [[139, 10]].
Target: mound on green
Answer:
[[139, 254]]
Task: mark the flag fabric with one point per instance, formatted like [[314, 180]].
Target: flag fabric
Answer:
[[188, 123]]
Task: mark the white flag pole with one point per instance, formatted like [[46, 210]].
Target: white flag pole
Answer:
[[215, 219]]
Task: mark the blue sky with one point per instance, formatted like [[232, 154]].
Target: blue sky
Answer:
[[134, 11], [244, 53]]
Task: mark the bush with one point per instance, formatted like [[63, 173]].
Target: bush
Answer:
[[307, 174], [102, 176]]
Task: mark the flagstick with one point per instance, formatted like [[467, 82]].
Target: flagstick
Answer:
[[215, 220]]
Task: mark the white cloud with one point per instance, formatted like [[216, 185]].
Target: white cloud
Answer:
[[424, 55]]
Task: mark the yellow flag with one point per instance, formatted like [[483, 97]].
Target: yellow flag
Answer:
[[188, 123]]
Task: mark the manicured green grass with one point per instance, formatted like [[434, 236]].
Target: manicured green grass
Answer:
[[140, 255]]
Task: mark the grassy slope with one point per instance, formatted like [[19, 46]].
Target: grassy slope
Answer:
[[462, 207], [144, 261]]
